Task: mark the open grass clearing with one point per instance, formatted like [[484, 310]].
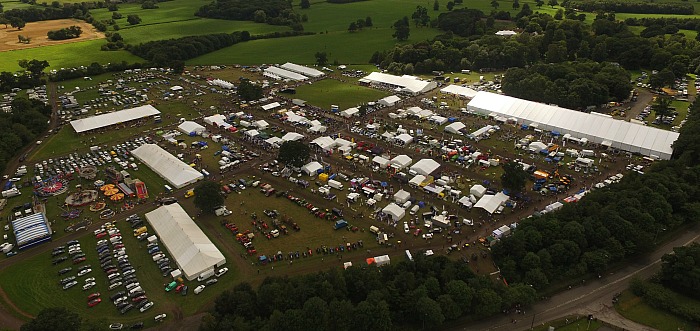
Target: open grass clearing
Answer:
[[570, 323], [199, 26], [168, 11], [634, 308], [37, 31], [9, 5], [329, 92]]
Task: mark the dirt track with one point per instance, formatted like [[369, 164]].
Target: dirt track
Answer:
[[36, 31]]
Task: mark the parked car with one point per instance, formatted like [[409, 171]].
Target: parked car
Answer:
[[199, 289], [94, 302]]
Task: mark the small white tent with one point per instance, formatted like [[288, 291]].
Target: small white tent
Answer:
[[188, 127], [404, 139], [292, 136], [261, 124], [389, 101], [477, 191], [490, 203], [401, 197], [425, 166], [455, 128], [382, 162], [311, 168], [401, 161]]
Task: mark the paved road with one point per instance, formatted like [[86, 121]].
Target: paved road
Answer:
[[595, 297]]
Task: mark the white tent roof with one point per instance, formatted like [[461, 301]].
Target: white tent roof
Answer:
[[506, 33], [455, 127], [417, 179], [317, 128], [381, 161], [292, 136], [192, 250], [315, 123], [401, 161], [465, 201], [342, 142], [405, 83], [350, 112], [491, 202], [425, 166], [275, 141], [622, 135], [252, 133], [537, 146], [270, 106], [325, 142], [190, 126], [176, 172], [477, 190], [440, 120], [217, 119], [395, 211], [261, 124], [405, 138], [401, 196], [459, 90], [121, 116], [286, 74], [294, 118], [390, 100], [311, 72], [311, 168], [425, 113]]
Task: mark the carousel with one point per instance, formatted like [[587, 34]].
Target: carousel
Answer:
[[81, 198], [51, 187]]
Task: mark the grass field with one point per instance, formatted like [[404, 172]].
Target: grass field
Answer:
[[67, 55], [634, 308], [329, 92], [575, 323]]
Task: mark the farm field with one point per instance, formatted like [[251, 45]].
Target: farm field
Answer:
[[329, 92], [67, 55], [36, 31]]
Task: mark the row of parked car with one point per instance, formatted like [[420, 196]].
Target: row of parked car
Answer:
[[121, 274], [71, 249]]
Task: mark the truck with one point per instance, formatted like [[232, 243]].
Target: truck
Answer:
[[335, 184], [339, 224], [13, 192], [205, 275]]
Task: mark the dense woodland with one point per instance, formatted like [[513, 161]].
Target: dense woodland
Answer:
[[28, 119], [570, 84], [680, 8], [426, 292], [275, 12], [70, 32]]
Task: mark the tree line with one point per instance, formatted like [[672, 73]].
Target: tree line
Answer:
[[274, 12], [611, 224], [681, 23], [27, 120], [428, 291], [570, 84], [343, 1], [680, 8], [70, 32]]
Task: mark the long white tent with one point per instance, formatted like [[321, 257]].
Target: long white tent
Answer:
[[425, 166], [599, 129], [192, 250], [405, 83], [166, 165], [109, 119], [276, 72], [310, 72], [190, 126], [459, 90]]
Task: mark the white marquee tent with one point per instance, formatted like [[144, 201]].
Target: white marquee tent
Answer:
[[404, 138], [189, 126], [389, 101], [350, 112], [274, 141], [252, 133], [191, 249], [396, 212], [619, 134], [116, 117], [382, 162], [261, 124], [176, 172], [326, 143], [292, 136], [455, 127], [294, 118], [425, 166], [311, 72], [401, 196], [477, 190], [416, 180], [401, 161], [217, 120], [490, 203], [405, 83], [279, 73], [459, 90], [271, 106], [311, 168], [437, 119]]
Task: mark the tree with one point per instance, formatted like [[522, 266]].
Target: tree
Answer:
[[116, 15], [662, 78], [553, 3], [17, 22], [149, 4], [133, 19], [207, 196], [681, 270], [662, 108], [6, 22], [247, 90], [401, 29], [321, 58], [352, 27], [420, 16], [429, 311], [305, 4], [514, 177], [259, 16], [450, 5], [58, 319], [539, 3], [436, 5], [293, 153], [35, 67], [368, 22], [494, 4], [516, 4]]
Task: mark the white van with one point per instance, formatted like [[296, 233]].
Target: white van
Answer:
[[135, 289], [374, 229], [168, 188]]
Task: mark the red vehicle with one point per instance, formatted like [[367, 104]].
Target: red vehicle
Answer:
[[417, 232], [79, 260], [94, 303], [179, 288], [93, 296], [101, 235], [119, 246], [139, 298]]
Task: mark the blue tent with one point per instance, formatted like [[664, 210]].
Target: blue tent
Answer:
[[384, 184], [524, 127], [225, 148], [556, 133], [421, 204]]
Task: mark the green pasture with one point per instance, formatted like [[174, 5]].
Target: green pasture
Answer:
[[329, 92], [9, 5], [571, 323], [66, 55], [176, 29], [634, 308], [341, 46], [168, 11]]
